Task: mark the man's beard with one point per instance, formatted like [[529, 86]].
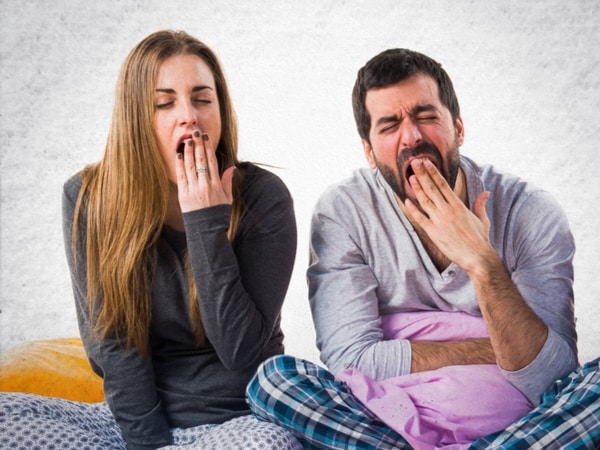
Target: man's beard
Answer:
[[448, 168]]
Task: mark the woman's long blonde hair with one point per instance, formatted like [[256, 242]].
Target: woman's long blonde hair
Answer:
[[124, 197]]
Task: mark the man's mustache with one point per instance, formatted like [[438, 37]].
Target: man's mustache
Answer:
[[424, 148]]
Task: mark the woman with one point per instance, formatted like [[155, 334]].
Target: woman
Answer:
[[180, 255]]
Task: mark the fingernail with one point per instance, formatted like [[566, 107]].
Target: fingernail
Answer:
[[190, 142], [196, 133], [205, 137], [179, 155]]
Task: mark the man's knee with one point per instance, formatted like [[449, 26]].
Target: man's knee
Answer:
[[271, 380]]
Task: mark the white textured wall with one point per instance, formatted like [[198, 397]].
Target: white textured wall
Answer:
[[526, 72]]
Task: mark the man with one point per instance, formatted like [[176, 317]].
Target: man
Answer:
[[424, 229]]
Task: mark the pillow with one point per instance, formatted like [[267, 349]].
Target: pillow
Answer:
[[54, 368]]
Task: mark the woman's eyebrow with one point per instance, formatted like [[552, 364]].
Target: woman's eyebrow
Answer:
[[201, 88], [172, 91]]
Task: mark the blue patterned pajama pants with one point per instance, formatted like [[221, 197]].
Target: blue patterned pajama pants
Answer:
[[322, 413], [31, 422]]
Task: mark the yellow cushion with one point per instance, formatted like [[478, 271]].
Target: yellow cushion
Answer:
[[54, 367]]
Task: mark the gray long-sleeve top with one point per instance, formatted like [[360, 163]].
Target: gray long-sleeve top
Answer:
[[241, 288], [367, 261]]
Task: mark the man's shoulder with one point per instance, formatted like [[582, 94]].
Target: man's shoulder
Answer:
[[512, 198], [501, 183], [361, 184]]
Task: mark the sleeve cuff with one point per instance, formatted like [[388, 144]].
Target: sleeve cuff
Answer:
[[555, 360], [150, 431]]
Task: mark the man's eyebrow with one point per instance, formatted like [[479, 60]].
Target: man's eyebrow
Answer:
[[387, 119], [172, 91], [413, 112], [423, 108]]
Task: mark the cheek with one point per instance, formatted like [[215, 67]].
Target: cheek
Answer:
[[163, 140], [169, 162], [159, 130], [443, 136], [211, 124], [386, 150]]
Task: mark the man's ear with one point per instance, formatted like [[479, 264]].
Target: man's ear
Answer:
[[369, 153], [459, 127]]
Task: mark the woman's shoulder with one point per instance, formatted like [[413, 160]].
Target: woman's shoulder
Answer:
[[72, 186], [259, 182]]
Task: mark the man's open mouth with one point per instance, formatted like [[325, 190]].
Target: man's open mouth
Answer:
[[410, 171]]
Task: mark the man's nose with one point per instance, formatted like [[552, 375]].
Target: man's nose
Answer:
[[410, 135]]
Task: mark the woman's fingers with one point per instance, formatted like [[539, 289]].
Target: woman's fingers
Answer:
[[180, 173], [188, 160], [207, 154], [199, 184], [202, 167], [222, 187], [227, 183]]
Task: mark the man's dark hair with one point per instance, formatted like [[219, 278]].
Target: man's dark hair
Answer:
[[390, 67]]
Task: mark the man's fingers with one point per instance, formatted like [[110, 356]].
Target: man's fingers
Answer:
[[433, 181], [479, 208], [425, 187]]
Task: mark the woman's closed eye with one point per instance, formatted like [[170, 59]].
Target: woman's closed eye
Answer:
[[206, 101], [163, 105], [196, 101]]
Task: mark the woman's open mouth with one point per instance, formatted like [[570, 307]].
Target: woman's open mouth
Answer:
[[182, 140]]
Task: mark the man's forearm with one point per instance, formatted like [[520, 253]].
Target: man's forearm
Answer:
[[516, 332], [429, 355]]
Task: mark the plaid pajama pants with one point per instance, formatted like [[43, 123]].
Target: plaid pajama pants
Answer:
[[322, 413], [568, 417]]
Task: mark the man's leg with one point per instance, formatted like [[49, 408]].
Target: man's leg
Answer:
[[568, 417], [320, 411]]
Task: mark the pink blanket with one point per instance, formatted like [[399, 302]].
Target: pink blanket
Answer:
[[446, 408]]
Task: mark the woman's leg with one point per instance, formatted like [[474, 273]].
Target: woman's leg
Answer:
[[320, 411], [35, 422], [244, 432]]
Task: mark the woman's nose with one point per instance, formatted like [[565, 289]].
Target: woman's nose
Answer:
[[187, 114]]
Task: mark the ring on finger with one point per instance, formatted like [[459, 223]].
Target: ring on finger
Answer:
[[201, 169]]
